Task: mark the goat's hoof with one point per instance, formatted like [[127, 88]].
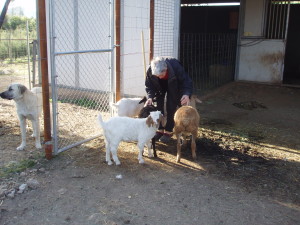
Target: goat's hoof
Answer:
[[141, 161], [151, 155], [118, 163], [109, 163]]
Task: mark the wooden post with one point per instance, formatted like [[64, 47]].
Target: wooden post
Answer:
[[151, 29], [45, 79]]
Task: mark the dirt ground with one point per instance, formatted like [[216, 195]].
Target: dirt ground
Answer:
[[247, 170]]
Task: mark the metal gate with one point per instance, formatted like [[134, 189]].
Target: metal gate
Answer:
[[81, 57]]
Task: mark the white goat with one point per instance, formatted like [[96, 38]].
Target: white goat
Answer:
[[186, 122], [118, 129], [129, 107]]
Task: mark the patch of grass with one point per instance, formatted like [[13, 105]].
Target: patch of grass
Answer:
[[17, 167], [84, 102]]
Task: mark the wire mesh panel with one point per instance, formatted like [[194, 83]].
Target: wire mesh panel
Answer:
[[16, 57], [166, 28], [209, 58], [81, 69]]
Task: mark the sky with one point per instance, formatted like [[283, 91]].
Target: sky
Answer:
[[29, 6]]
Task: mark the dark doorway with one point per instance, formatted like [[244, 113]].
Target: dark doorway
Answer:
[[291, 73], [208, 43]]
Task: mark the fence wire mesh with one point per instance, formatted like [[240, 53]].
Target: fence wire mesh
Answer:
[[209, 58], [81, 69], [18, 60], [166, 25]]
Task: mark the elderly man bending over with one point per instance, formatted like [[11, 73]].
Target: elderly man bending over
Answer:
[[166, 75]]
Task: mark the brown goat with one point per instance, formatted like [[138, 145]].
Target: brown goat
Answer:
[[186, 122]]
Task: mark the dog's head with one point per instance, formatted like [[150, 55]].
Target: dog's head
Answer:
[[14, 91], [154, 119]]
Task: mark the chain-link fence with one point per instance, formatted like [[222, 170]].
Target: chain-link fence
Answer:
[[209, 58], [81, 69], [18, 59]]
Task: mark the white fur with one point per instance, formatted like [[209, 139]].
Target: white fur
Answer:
[[129, 107], [118, 129], [29, 106]]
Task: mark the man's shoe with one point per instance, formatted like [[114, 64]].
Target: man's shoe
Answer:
[[165, 138], [158, 135]]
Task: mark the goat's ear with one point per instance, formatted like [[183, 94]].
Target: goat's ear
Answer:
[[144, 99], [160, 118], [198, 100], [149, 121]]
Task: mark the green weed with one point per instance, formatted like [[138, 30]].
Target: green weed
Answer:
[[17, 167], [84, 102]]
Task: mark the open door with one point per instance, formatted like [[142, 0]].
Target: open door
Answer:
[[291, 73], [208, 42]]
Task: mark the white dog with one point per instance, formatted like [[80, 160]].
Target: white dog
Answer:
[[29, 106]]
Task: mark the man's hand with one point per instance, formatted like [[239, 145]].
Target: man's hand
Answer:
[[148, 102], [185, 100]]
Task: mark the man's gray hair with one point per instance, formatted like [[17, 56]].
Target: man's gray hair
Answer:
[[158, 65]]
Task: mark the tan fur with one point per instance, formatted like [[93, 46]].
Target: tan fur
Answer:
[[186, 122], [29, 107], [194, 101], [161, 119], [149, 121]]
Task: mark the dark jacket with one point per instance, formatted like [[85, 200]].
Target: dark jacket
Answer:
[[179, 83]]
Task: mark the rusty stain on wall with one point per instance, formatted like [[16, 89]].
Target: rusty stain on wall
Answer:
[[273, 61]]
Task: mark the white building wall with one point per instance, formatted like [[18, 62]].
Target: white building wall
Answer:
[[260, 60], [135, 19]]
